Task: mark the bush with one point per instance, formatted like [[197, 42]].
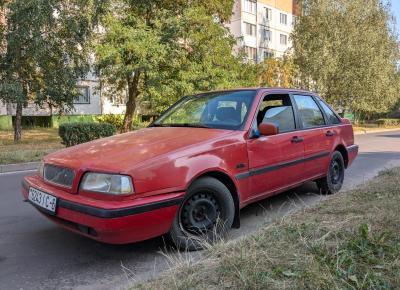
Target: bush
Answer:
[[388, 122], [116, 120], [76, 133]]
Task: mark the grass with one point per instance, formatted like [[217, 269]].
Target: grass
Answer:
[[349, 241], [34, 145]]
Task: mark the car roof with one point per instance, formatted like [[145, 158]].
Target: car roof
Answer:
[[274, 90]]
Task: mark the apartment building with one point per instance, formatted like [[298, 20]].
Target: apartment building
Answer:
[[263, 27]]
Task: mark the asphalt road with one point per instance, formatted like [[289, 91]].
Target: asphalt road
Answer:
[[36, 254]]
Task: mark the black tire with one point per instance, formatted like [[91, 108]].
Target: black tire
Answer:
[[205, 216], [333, 181]]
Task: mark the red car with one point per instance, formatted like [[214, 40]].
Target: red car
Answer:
[[190, 172]]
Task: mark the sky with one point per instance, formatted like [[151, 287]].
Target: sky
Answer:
[[396, 13]]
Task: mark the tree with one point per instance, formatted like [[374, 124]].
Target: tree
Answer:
[[347, 51], [277, 72], [161, 50], [44, 52]]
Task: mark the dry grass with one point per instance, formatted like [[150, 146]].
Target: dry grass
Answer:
[[372, 128], [34, 145], [349, 241]]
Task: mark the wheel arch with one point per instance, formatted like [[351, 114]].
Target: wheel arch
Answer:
[[230, 184], [344, 153]]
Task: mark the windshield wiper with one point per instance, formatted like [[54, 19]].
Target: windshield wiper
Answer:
[[181, 125]]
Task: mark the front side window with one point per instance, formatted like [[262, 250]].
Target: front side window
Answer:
[[222, 110], [277, 109], [332, 117], [310, 114]]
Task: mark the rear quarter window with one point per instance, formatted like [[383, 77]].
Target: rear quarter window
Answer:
[[332, 117]]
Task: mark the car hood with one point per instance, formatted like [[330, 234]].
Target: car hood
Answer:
[[122, 152]]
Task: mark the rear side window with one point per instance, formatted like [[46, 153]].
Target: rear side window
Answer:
[[310, 114], [332, 118]]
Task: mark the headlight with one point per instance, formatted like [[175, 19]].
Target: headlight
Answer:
[[41, 169], [107, 183]]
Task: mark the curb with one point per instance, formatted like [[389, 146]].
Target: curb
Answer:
[[19, 167], [375, 131]]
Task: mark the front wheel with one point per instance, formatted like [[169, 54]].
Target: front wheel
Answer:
[[333, 181], [205, 215]]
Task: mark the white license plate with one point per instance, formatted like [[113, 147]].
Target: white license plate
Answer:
[[43, 200]]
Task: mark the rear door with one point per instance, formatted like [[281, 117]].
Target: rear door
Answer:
[[275, 161], [314, 128], [332, 120]]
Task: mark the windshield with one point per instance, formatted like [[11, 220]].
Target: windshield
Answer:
[[220, 110]]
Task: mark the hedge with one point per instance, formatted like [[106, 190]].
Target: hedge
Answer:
[[388, 122], [76, 133]]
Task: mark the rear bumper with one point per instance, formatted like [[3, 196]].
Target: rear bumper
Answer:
[[352, 152], [110, 222]]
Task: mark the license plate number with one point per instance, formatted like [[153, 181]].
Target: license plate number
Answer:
[[43, 200]]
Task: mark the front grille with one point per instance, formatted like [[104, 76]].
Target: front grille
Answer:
[[59, 175]]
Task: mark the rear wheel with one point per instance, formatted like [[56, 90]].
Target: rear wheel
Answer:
[[333, 181], [205, 216]]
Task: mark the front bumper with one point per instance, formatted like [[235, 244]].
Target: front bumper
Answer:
[[113, 222]]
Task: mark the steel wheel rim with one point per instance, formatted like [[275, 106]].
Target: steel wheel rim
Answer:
[[199, 214], [336, 172]]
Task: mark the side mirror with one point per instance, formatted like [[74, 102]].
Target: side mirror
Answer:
[[268, 129]]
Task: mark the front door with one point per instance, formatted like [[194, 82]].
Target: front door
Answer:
[[275, 162]]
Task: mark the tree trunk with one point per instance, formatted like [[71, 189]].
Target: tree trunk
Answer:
[[18, 123], [133, 92]]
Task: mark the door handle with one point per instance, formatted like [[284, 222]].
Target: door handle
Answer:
[[297, 139], [330, 133]]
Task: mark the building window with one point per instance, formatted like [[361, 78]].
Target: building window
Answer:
[[268, 14], [84, 96], [267, 35], [251, 53], [283, 19], [250, 29], [250, 6], [268, 54], [283, 39]]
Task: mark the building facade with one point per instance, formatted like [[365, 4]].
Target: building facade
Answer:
[[263, 27]]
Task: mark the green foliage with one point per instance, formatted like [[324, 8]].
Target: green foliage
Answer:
[[45, 50], [388, 122], [116, 120], [76, 133], [174, 48], [278, 72], [346, 50]]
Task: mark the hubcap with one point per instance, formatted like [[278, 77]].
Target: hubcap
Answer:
[[199, 214]]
